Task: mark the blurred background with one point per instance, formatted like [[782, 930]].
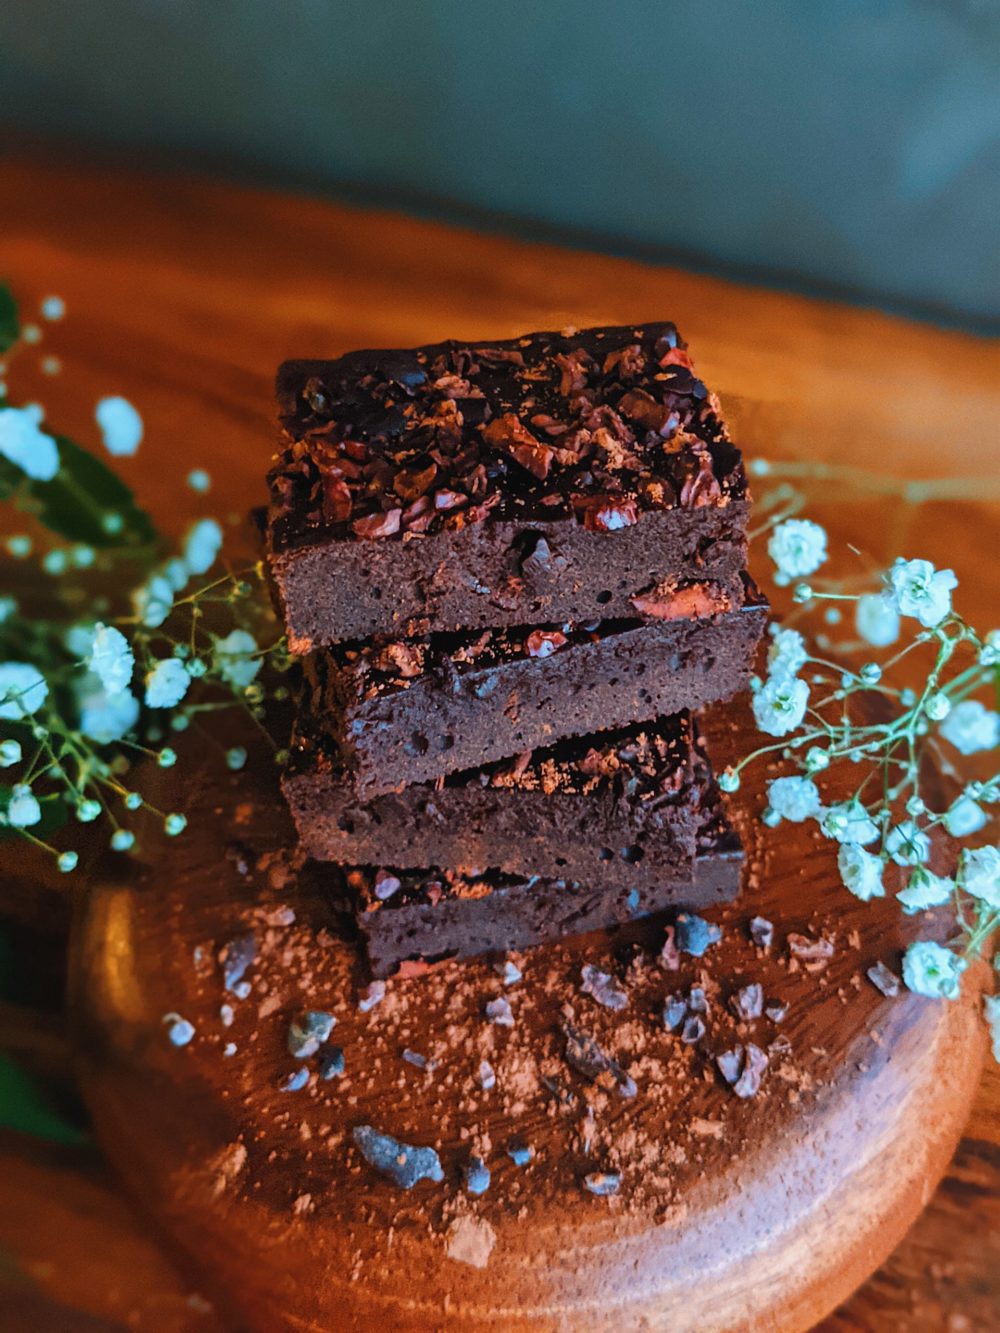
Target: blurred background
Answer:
[[850, 147]]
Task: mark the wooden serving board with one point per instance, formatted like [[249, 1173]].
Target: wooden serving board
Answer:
[[732, 1214], [184, 294]]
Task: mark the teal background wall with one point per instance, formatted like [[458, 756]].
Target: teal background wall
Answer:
[[843, 143]]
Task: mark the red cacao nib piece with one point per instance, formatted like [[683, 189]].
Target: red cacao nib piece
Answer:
[[574, 366], [692, 600], [410, 484], [378, 525], [702, 487], [336, 500], [628, 361], [606, 513], [511, 436], [496, 355], [674, 356], [543, 643], [445, 500], [640, 406]]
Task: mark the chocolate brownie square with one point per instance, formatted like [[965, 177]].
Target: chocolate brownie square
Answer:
[[406, 711], [552, 477], [409, 918], [621, 808]]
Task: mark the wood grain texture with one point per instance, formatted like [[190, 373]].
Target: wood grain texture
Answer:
[[185, 294], [764, 1219]]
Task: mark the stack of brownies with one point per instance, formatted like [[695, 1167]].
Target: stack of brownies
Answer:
[[513, 569]]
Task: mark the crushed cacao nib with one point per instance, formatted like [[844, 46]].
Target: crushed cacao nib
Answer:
[[602, 1182], [693, 1030], [603, 988], [403, 1163], [387, 445], [776, 1010], [585, 1055], [742, 1068], [748, 1002], [813, 954], [762, 932], [694, 934], [884, 979], [234, 959]]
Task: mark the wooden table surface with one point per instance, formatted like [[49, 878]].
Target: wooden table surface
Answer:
[[184, 295]]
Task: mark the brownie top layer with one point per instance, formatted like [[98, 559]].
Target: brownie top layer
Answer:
[[599, 424], [382, 667], [376, 889]]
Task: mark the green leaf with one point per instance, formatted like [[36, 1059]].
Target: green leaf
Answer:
[[86, 502], [10, 325]]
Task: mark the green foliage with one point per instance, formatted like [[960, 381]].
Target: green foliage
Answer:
[[84, 502], [10, 326]]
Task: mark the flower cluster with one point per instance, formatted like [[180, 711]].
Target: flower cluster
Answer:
[[814, 707], [83, 696]]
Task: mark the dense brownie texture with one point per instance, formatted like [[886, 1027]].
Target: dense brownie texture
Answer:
[[404, 712], [551, 477], [621, 808], [423, 916]]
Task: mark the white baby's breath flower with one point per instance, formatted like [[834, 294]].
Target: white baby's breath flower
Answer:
[[787, 654], [964, 818], [979, 874], [27, 447], [780, 705], [794, 798], [877, 620], [201, 546], [925, 890], [111, 658], [23, 690], [917, 589], [989, 654], [971, 726], [798, 548], [23, 809], [105, 717], [121, 426], [849, 822], [930, 969], [908, 844], [167, 683], [235, 660], [861, 872], [154, 601]]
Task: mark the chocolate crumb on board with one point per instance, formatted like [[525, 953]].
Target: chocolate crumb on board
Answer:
[[234, 959], [603, 988], [742, 1068], [403, 1163], [587, 1058], [748, 1002], [884, 979], [694, 935], [811, 953], [602, 1182], [761, 932]]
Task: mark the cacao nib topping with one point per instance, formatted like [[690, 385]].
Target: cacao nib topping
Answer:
[[600, 424]]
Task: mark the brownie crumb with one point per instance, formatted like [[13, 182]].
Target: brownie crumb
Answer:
[[884, 980]]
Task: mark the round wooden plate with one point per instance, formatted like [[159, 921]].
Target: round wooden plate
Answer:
[[732, 1214]]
